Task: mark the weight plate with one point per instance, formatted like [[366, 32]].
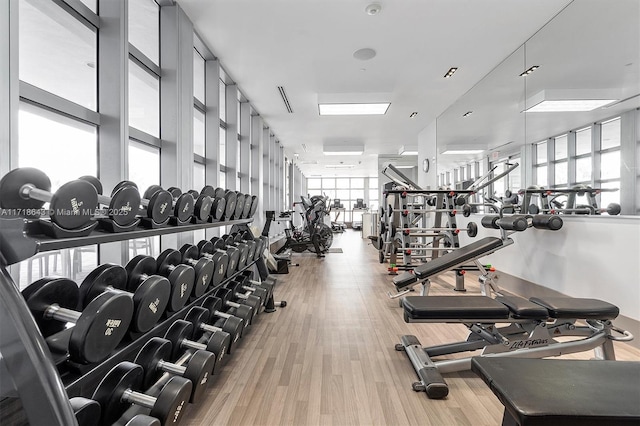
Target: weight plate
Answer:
[[220, 193], [150, 301], [199, 369], [247, 206], [175, 192], [124, 206], [139, 268], [122, 185], [143, 420], [218, 208], [85, 410], [151, 191], [184, 207], [100, 280], [73, 205], [205, 247], [12, 183], [159, 208], [209, 191], [212, 304], [234, 258], [204, 269], [178, 331], [230, 209], [93, 181], [108, 394], [182, 279], [218, 344], [155, 350], [221, 261], [203, 206], [254, 205], [239, 206], [50, 291], [167, 260], [172, 401], [100, 328]]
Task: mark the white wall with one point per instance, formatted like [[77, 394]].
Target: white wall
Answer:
[[596, 257], [427, 148]]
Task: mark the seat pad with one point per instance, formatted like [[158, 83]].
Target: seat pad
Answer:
[[578, 308], [541, 392], [454, 307], [404, 280], [450, 260], [523, 308]]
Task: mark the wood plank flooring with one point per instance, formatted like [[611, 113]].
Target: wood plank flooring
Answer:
[[328, 358]]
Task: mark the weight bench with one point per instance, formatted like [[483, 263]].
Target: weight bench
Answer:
[[452, 260], [541, 392], [530, 331]]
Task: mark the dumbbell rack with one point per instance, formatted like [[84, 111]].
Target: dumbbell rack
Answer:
[[28, 369]]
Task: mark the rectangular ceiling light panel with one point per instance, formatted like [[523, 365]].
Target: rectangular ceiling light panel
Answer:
[[462, 151], [577, 105], [354, 109]]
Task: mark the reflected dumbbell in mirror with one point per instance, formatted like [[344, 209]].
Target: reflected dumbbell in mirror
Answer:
[[203, 267], [181, 334], [183, 205], [98, 329], [199, 317], [142, 268], [150, 296], [122, 207], [24, 191], [123, 386], [153, 358]]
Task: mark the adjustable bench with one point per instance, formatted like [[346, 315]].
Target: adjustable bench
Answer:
[[541, 392], [449, 261], [530, 331]]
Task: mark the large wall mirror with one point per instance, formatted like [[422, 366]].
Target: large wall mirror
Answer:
[[573, 119]]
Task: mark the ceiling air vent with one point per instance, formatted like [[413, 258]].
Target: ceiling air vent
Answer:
[[283, 94]]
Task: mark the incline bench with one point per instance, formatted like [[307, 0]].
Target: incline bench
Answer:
[[531, 329], [549, 392]]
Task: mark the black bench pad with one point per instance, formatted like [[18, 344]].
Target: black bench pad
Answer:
[[523, 308], [572, 307], [450, 260], [404, 280], [541, 392], [454, 307]]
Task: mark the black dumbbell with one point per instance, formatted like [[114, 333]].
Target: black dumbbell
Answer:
[[219, 246], [203, 267], [150, 298], [242, 296], [183, 204], [168, 264], [242, 310], [219, 203], [199, 317], [123, 205], [248, 199], [152, 358], [220, 258], [239, 205], [122, 385], [181, 334], [254, 205], [26, 190], [86, 410], [99, 328], [142, 420], [203, 206], [243, 285], [244, 247], [251, 244], [230, 209], [229, 323], [157, 203], [141, 268], [225, 244]]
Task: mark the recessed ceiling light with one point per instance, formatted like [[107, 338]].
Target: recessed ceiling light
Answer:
[[529, 71], [462, 151], [404, 166], [451, 71], [364, 54], [373, 9], [468, 113], [354, 109], [578, 105]]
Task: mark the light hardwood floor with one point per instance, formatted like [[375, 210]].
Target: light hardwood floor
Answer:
[[328, 358]]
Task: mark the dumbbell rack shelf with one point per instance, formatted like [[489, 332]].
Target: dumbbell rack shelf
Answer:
[[28, 369]]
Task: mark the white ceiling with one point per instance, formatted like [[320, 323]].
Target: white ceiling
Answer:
[[307, 46]]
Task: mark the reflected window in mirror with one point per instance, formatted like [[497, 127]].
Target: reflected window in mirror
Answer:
[[541, 163], [561, 169], [584, 168], [609, 161]]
